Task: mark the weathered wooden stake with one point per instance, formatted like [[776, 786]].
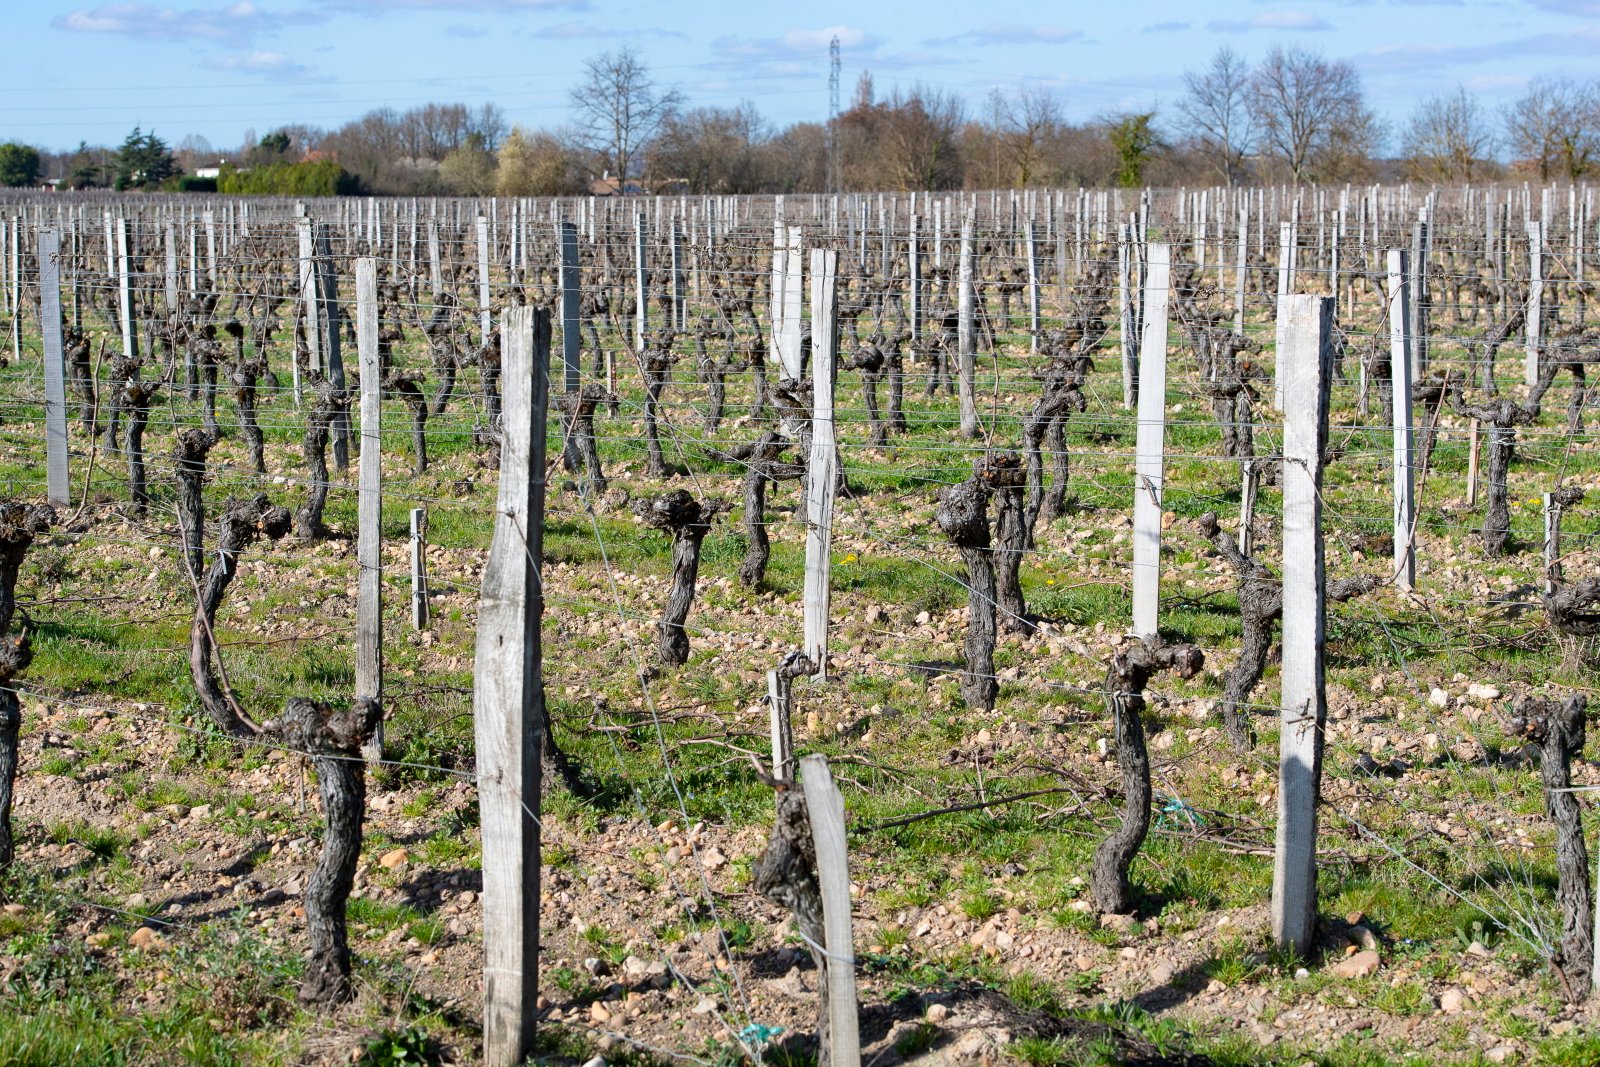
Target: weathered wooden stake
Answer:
[[1150, 462], [508, 698], [1303, 369], [966, 384], [57, 489], [1535, 315], [130, 335], [485, 312], [571, 295], [1405, 505], [1472, 465], [419, 568], [369, 508], [826, 808], [821, 484]]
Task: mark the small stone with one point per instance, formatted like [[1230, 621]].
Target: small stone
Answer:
[[1500, 1053], [396, 858], [876, 616], [137, 901], [984, 737], [1122, 924], [155, 551], [1216, 985], [146, 940], [1358, 966], [200, 811], [598, 1061], [1477, 949], [1439, 698], [713, 859], [1301, 974], [1161, 974], [705, 1006], [938, 1013], [1480, 691], [598, 1014], [1452, 1000], [1364, 937], [15, 909], [923, 618], [1129, 953], [99, 940]]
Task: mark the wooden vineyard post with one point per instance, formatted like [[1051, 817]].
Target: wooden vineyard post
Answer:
[[369, 506], [780, 271], [419, 568], [966, 384], [1285, 281], [914, 285], [820, 478], [1033, 287], [1149, 464], [1128, 344], [508, 699], [16, 289], [571, 295], [1552, 540], [1308, 330], [782, 728], [130, 335], [170, 274], [826, 809], [308, 306], [1535, 316], [792, 295], [1405, 505], [435, 274], [485, 313], [57, 489], [1241, 268], [1249, 486], [1472, 464], [328, 320], [641, 280]]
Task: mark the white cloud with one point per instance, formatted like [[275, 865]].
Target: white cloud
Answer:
[[237, 24], [1271, 20]]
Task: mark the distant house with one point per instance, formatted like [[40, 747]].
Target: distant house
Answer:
[[213, 171], [606, 185]]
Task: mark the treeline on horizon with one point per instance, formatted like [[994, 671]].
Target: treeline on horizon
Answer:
[[1294, 116]]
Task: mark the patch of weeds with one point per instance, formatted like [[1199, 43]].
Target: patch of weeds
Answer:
[[1028, 990], [1569, 1050], [1233, 963], [980, 904], [57, 766], [393, 1048], [1407, 998], [103, 844], [916, 1041], [1040, 1051]]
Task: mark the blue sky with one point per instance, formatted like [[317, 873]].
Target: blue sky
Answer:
[[94, 70]]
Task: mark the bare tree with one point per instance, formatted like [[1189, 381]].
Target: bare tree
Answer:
[[1311, 113], [1448, 139], [1555, 128], [620, 108], [920, 139], [1026, 122], [712, 149], [1217, 105]]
